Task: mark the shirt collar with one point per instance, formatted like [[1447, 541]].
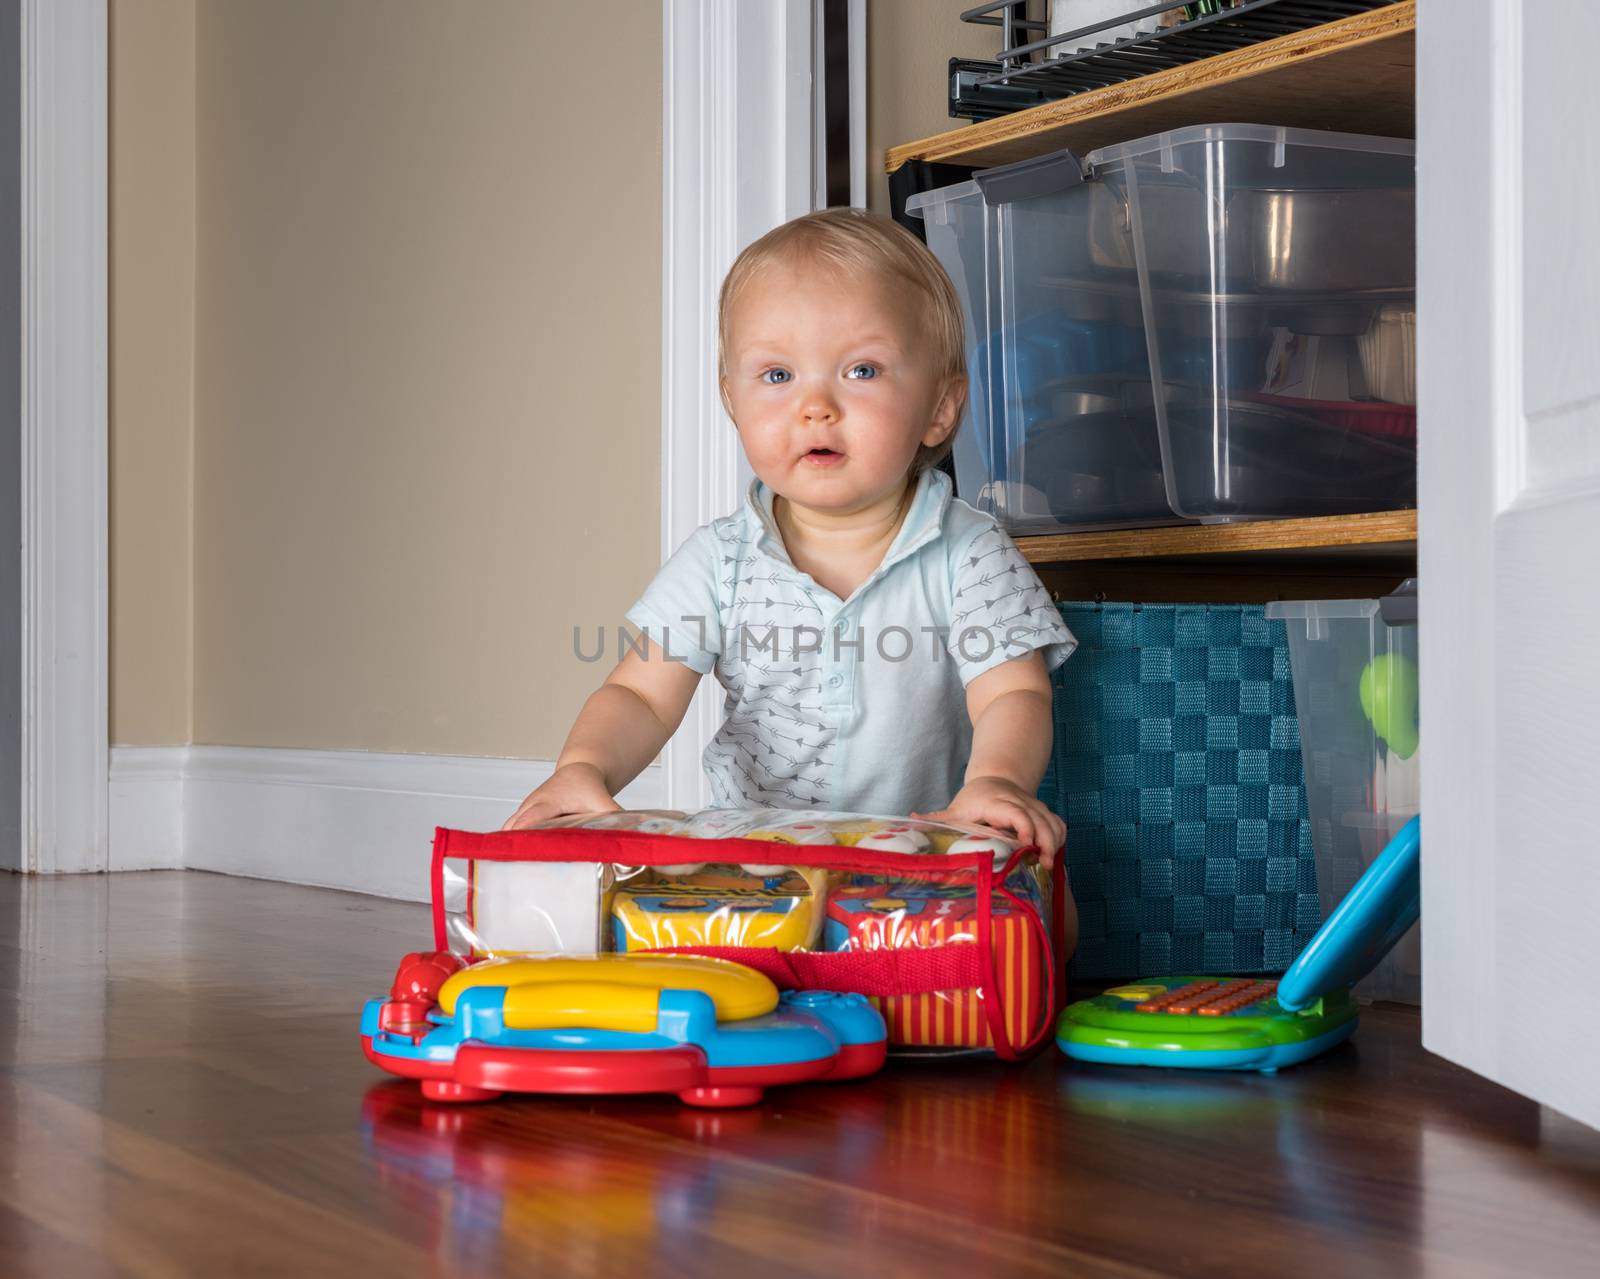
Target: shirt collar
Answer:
[[921, 525]]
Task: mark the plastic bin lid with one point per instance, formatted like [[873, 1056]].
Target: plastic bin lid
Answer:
[[1399, 608], [1321, 608], [1029, 179], [941, 196], [1058, 170], [1373, 916], [1274, 134]]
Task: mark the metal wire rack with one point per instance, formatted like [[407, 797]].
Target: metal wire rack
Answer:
[[1027, 74]]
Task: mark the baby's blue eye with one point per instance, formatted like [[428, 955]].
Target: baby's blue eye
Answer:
[[862, 372], [776, 377]]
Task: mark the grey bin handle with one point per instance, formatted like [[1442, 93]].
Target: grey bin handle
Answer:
[[1399, 608], [1029, 179]]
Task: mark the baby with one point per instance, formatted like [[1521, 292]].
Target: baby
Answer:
[[853, 603]]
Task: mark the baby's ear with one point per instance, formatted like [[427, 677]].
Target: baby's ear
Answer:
[[947, 412], [722, 390]]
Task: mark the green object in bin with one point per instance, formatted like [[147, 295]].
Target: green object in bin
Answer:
[[1389, 700]]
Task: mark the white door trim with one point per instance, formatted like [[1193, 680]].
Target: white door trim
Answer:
[[1508, 501], [738, 157], [65, 703]]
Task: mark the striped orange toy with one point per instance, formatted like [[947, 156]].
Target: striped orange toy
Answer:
[[905, 914]]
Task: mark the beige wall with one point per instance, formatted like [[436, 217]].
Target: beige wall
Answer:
[[151, 367], [428, 369], [909, 44], [418, 253]]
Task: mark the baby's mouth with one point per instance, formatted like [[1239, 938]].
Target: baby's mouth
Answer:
[[821, 454]]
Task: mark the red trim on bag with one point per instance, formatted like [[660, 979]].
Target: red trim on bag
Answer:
[[989, 989], [1059, 888], [1058, 909], [646, 848], [881, 974], [441, 936]]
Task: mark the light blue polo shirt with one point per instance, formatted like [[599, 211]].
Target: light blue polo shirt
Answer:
[[853, 705]]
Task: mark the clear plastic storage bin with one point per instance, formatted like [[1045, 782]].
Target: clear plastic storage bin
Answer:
[[1062, 429], [1215, 323], [1354, 667], [1300, 248]]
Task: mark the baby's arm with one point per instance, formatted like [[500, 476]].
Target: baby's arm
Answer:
[[621, 728], [1011, 733]]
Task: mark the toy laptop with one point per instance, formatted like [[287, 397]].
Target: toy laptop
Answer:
[[715, 1033], [1221, 1023]]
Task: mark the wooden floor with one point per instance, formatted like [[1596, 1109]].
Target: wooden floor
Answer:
[[184, 1095]]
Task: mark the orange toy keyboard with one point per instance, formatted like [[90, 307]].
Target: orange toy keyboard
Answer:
[[1210, 998]]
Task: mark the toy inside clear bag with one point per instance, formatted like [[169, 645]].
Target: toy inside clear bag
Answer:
[[841, 883], [494, 909]]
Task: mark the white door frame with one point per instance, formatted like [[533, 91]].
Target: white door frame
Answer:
[[738, 150], [65, 710], [1508, 501]]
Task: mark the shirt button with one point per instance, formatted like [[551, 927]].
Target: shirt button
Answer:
[[835, 680]]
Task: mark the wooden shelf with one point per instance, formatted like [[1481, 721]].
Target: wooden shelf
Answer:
[[1381, 534], [1356, 75]]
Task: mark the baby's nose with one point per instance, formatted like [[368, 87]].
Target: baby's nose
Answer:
[[818, 408]]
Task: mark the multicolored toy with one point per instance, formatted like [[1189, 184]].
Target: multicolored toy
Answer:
[[713, 1032], [728, 908], [870, 914], [1245, 1024]]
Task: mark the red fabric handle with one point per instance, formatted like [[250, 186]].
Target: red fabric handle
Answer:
[[1048, 1010], [643, 848], [878, 973]]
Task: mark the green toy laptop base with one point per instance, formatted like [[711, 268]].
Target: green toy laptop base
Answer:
[[1220, 1023], [1181, 1030]]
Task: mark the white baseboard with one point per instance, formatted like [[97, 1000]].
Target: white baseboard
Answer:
[[146, 807], [336, 819]]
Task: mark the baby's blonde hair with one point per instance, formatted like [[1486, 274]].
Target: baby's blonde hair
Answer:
[[854, 241]]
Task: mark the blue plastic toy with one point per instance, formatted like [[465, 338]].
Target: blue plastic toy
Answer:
[[713, 1032]]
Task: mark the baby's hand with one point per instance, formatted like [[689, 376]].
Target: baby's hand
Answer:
[[1005, 807], [573, 788]]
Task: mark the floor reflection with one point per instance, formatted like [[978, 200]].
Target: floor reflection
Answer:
[[657, 1172], [487, 1183]]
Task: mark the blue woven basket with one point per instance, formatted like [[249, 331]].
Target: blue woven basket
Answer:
[[1176, 766]]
